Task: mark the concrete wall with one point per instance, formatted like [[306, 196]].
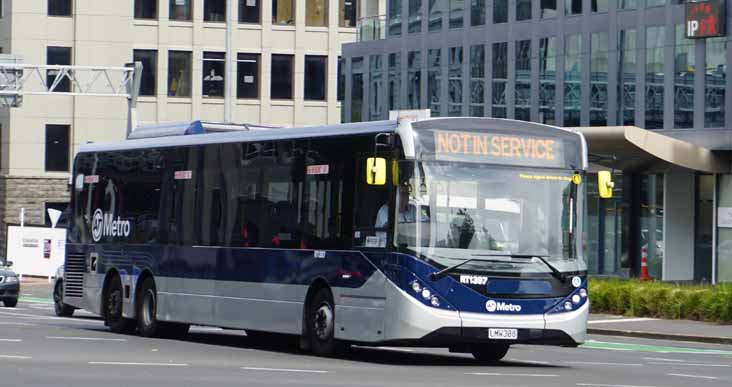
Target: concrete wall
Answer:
[[678, 225]]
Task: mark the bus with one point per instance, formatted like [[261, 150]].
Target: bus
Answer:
[[461, 233]]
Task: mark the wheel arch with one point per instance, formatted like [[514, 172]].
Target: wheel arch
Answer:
[[317, 284], [105, 288]]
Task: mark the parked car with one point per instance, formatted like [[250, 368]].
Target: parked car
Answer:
[[61, 309], [9, 285]]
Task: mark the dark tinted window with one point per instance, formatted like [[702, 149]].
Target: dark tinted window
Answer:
[[149, 60], [214, 10], [146, 9], [57, 148], [247, 76], [315, 77], [180, 10], [214, 70], [500, 11], [179, 74], [249, 11], [59, 7], [58, 56], [281, 86]]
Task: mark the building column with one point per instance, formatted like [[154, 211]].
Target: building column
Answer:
[[678, 225]]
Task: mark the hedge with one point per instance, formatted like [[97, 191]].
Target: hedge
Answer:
[[662, 300]]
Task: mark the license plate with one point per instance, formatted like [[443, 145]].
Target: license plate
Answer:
[[502, 334]]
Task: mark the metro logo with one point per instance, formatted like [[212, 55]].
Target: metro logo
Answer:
[[105, 225], [493, 306], [477, 144]]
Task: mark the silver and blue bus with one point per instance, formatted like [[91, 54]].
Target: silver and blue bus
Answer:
[[462, 233]]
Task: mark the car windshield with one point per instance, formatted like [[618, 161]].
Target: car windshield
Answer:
[[496, 216]]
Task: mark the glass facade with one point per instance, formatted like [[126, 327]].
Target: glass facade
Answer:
[[434, 80], [547, 80], [500, 78], [655, 37], [548, 8], [598, 78], [395, 17], [395, 81], [626, 76], [523, 10], [414, 80], [415, 16], [376, 87], [683, 79], [357, 89], [572, 79], [477, 80], [477, 12], [715, 79], [500, 11], [456, 13], [522, 85], [572, 7], [435, 14], [600, 6], [724, 233], [651, 223], [455, 83]]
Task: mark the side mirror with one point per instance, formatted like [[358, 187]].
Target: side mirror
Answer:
[[8, 263], [376, 171], [605, 184]]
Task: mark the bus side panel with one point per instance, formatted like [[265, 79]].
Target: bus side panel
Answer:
[[185, 300], [360, 312]]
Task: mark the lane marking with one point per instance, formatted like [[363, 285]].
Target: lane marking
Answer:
[[284, 370], [603, 363], [695, 376], [611, 321], [609, 385], [529, 361], [15, 357], [664, 359], [138, 364], [83, 338], [520, 375], [10, 340], [594, 344], [22, 324], [691, 364], [36, 300]]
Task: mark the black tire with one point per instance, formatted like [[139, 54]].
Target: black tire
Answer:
[[61, 309], [113, 300], [146, 310], [489, 353], [321, 324], [10, 303]]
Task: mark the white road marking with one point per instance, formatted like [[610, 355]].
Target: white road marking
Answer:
[[520, 375], [664, 359], [695, 376], [529, 361], [18, 324], [9, 309], [392, 349], [623, 320], [83, 338], [284, 370], [15, 357], [690, 364], [609, 385], [10, 340], [138, 364], [603, 363]]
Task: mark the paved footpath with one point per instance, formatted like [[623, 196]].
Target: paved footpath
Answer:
[[683, 330]]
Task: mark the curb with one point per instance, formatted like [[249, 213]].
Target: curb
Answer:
[[660, 336]]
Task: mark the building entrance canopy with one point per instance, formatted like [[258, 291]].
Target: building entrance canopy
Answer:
[[630, 148]]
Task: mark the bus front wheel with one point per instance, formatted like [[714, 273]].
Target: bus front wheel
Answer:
[[321, 323], [489, 353], [113, 300]]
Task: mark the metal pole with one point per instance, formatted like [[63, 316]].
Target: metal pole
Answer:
[[134, 91]]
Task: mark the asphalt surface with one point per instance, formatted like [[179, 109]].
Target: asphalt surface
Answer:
[[39, 349]]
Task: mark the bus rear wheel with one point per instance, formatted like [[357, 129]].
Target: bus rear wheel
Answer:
[[489, 353], [147, 321], [113, 300], [321, 323], [61, 309]]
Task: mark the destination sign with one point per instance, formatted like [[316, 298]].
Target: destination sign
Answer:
[[498, 148]]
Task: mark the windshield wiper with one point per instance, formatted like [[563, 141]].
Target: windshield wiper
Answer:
[[439, 274], [533, 258]]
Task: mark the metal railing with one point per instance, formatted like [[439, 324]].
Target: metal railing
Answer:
[[371, 28]]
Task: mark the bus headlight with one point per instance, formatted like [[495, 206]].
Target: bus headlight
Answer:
[[567, 305], [583, 293], [426, 294], [435, 302], [576, 299], [416, 287]]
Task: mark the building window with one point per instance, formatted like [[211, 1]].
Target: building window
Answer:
[[684, 69], [214, 70], [523, 10], [58, 56], [376, 87], [57, 148], [548, 8], [435, 15], [414, 80], [434, 80], [395, 81], [341, 87], [395, 17], [316, 13], [415, 16], [651, 207], [348, 13], [522, 97], [283, 12], [250, 11], [247, 72], [499, 79], [714, 83], [59, 7], [357, 89], [500, 11], [214, 11], [146, 9], [600, 6], [477, 80], [655, 3], [477, 12], [456, 13], [181, 10], [572, 79], [626, 71], [281, 85], [572, 7], [455, 82], [655, 37], [148, 81], [547, 80], [179, 74], [315, 77], [626, 4], [598, 78]]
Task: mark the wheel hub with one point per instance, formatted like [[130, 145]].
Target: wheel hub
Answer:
[[148, 308], [323, 324]]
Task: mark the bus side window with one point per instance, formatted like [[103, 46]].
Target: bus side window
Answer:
[[372, 209]]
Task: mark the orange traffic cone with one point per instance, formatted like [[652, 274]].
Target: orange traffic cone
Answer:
[[644, 265]]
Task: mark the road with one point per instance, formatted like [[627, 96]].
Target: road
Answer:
[[39, 349]]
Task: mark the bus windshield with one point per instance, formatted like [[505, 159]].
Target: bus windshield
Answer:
[[449, 212]]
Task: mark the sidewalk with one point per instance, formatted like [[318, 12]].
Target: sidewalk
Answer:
[[683, 330]]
